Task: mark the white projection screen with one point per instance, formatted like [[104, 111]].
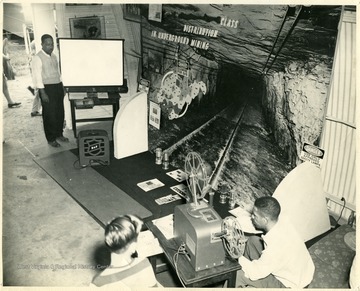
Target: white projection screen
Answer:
[[93, 64]]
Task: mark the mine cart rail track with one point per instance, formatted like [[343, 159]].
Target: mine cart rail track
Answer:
[[225, 155], [191, 134], [236, 117]]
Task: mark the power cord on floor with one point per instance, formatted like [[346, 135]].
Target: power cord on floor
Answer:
[[342, 199], [181, 250], [77, 165]]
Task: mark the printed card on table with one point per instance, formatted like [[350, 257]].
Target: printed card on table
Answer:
[[166, 225], [182, 190], [244, 219], [167, 199], [178, 175], [150, 184], [148, 244]]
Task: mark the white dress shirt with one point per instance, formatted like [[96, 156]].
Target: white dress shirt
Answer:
[[285, 256], [45, 70]]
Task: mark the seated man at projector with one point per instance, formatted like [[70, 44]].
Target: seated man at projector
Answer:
[[277, 259], [126, 269]]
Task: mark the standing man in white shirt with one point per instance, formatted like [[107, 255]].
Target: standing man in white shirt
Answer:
[[47, 80], [277, 259]]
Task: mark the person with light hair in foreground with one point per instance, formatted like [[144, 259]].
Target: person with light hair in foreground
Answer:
[[127, 269]]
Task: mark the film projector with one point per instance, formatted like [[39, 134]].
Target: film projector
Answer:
[[206, 236]]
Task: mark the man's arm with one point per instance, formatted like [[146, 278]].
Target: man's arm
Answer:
[[36, 67], [260, 268]]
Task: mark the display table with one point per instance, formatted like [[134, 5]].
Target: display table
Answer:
[[126, 173]]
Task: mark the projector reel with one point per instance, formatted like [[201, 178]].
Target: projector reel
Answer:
[[197, 172], [234, 239]]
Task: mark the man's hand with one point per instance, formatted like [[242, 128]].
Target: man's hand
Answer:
[[6, 57], [43, 96]]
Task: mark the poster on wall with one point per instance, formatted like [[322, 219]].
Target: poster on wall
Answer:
[[155, 12], [132, 12], [154, 114], [87, 27]]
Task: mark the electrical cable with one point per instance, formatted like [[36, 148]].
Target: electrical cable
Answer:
[[90, 164], [337, 221], [276, 39], [180, 250], [78, 167], [285, 39], [98, 162]]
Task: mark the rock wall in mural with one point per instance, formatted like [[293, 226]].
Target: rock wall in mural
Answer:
[[295, 104]]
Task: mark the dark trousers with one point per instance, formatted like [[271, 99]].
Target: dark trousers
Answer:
[[253, 249], [53, 112]]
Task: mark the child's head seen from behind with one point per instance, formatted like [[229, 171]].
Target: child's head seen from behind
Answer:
[[122, 232]]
